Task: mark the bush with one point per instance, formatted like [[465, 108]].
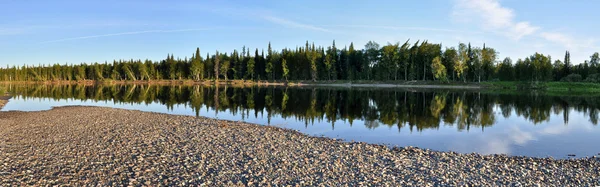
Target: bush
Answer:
[[595, 78], [572, 78]]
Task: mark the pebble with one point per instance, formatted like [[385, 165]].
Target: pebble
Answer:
[[95, 146]]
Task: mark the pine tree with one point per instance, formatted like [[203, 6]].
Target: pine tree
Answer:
[[224, 68], [567, 61], [197, 68], [269, 65], [250, 67], [216, 66], [286, 71]]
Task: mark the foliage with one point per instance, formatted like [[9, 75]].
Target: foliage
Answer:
[[286, 71], [594, 78], [439, 70], [421, 60], [572, 78]]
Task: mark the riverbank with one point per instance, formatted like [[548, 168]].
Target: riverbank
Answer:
[[104, 146], [557, 87], [247, 83], [3, 99]]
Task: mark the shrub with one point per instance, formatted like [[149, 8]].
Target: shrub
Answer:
[[572, 78], [595, 78]]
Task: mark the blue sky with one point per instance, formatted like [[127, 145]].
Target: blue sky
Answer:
[[34, 32]]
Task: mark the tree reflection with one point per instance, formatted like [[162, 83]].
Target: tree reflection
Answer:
[[415, 109]]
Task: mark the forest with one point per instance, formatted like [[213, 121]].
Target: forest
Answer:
[[418, 61]]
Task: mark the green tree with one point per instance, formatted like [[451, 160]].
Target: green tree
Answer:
[[390, 61], [567, 61], [197, 67], [216, 66], [250, 67], [330, 60], [224, 68], [405, 58], [506, 71], [97, 72], [372, 54], [172, 67], [460, 65], [142, 71], [488, 57], [439, 70], [286, 71], [558, 70], [269, 65], [594, 63], [79, 74], [449, 57]]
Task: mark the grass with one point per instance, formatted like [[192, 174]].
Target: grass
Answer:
[[571, 87]]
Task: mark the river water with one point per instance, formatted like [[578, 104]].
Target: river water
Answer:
[[465, 121]]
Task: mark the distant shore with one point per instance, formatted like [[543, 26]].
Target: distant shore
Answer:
[[305, 83], [561, 87], [116, 147]]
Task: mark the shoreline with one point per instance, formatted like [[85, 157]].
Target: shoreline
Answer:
[[554, 87], [3, 100], [245, 83], [106, 146]]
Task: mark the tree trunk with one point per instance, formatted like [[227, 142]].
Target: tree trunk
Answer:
[[405, 73], [453, 77], [424, 71]]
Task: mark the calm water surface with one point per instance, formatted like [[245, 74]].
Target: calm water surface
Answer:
[[466, 121]]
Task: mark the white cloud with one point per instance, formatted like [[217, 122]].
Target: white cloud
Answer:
[[500, 142], [293, 24], [523, 29], [568, 41], [558, 38], [519, 136], [493, 17]]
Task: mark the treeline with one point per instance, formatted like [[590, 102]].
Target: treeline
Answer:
[[403, 62]]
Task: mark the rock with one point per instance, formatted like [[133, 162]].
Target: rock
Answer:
[[81, 146]]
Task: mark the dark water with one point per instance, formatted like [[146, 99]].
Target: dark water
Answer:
[[528, 124]]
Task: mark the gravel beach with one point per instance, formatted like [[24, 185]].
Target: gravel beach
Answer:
[[105, 146], [3, 101]]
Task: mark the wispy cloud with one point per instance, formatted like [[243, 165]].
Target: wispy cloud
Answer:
[[521, 29], [10, 31], [125, 33], [560, 38], [17, 29], [403, 28], [293, 24], [568, 41], [493, 16]]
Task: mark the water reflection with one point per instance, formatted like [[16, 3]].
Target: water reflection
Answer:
[[416, 109], [530, 124]]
